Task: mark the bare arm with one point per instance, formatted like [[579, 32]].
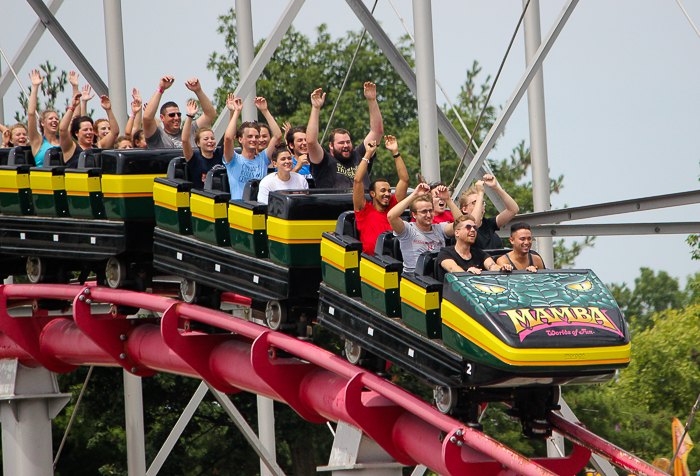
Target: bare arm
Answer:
[[108, 141], [74, 79], [235, 106], [135, 113], [512, 208], [149, 116], [401, 187], [261, 104], [315, 149], [376, 124], [35, 139], [192, 108], [394, 215], [478, 212], [208, 111], [86, 96], [136, 96], [358, 186], [451, 266], [64, 138]]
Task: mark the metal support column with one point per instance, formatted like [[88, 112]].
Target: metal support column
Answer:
[[538, 128], [246, 54], [355, 453], [266, 430], [247, 81], [135, 439], [116, 69], [29, 400], [26, 49], [425, 80], [2, 102]]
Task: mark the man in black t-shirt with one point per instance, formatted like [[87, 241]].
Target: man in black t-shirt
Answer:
[[462, 256], [336, 169], [471, 202]]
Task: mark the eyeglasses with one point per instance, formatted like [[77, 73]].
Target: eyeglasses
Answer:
[[469, 227], [425, 212], [173, 114]]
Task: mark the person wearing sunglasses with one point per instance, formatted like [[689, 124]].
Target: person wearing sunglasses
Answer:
[[421, 235], [170, 135], [522, 256], [471, 202], [463, 256]]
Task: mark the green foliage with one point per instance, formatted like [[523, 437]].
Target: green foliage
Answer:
[[652, 294], [51, 87]]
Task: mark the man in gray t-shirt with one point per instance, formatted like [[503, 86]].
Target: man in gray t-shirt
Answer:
[[170, 136], [421, 235]]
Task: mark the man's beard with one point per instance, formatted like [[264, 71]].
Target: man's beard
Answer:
[[339, 155]]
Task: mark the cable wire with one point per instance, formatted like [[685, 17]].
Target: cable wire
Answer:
[[483, 110], [70, 422], [342, 88]]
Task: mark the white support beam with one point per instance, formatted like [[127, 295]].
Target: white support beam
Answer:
[[613, 229], [116, 67], [611, 208], [73, 52], [248, 80], [246, 54], [500, 123], [177, 430], [247, 431], [409, 77], [135, 437], [26, 49]]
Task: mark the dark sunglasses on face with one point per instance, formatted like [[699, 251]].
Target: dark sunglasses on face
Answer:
[[469, 227], [173, 114]]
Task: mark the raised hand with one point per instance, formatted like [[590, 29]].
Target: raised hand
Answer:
[[87, 93], [490, 180], [135, 94], [233, 103], [192, 107], [76, 100], [391, 144], [105, 103], [73, 78], [442, 192], [136, 106], [261, 103], [370, 90], [193, 84], [422, 189], [371, 148], [480, 186], [317, 98], [286, 127], [36, 78], [166, 82]]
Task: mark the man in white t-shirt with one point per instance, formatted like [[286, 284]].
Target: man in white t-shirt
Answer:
[[284, 178]]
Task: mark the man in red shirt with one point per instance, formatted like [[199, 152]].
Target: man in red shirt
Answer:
[[371, 216]]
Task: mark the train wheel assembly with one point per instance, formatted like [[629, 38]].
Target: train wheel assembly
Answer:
[[354, 353], [445, 399], [275, 315], [36, 269], [115, 272], [189, 290]]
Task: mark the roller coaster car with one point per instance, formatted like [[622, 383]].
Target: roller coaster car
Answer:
[[494, 336], [98, 217], [270, 253]]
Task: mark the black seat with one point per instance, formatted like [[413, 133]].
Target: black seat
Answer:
[[388, 245], [4, 155], [21, 155], [177, 169], [54, 157], [217, 180], [250, 191], [347, 225], [426, 264], [90, 158]]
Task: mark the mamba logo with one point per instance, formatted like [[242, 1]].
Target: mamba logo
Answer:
[[526, 321]]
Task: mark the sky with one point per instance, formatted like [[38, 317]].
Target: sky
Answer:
[[621, 89]]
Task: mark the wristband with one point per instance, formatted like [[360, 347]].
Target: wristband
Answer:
[[132, 115], [159, 90], [366, 160], [397, 154], [70, 108], [190, 116]]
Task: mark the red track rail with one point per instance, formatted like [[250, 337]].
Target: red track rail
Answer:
[[318, 385]]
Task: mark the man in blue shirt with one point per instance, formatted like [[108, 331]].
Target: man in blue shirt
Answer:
[[249, 164]]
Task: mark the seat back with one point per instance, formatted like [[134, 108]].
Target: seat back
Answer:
[[54, 157], [250, 191], [426, 264], [177, 169], [5, 155], [90, 158], [388, 245], [217, 180], [21, 155], [347, 225]]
